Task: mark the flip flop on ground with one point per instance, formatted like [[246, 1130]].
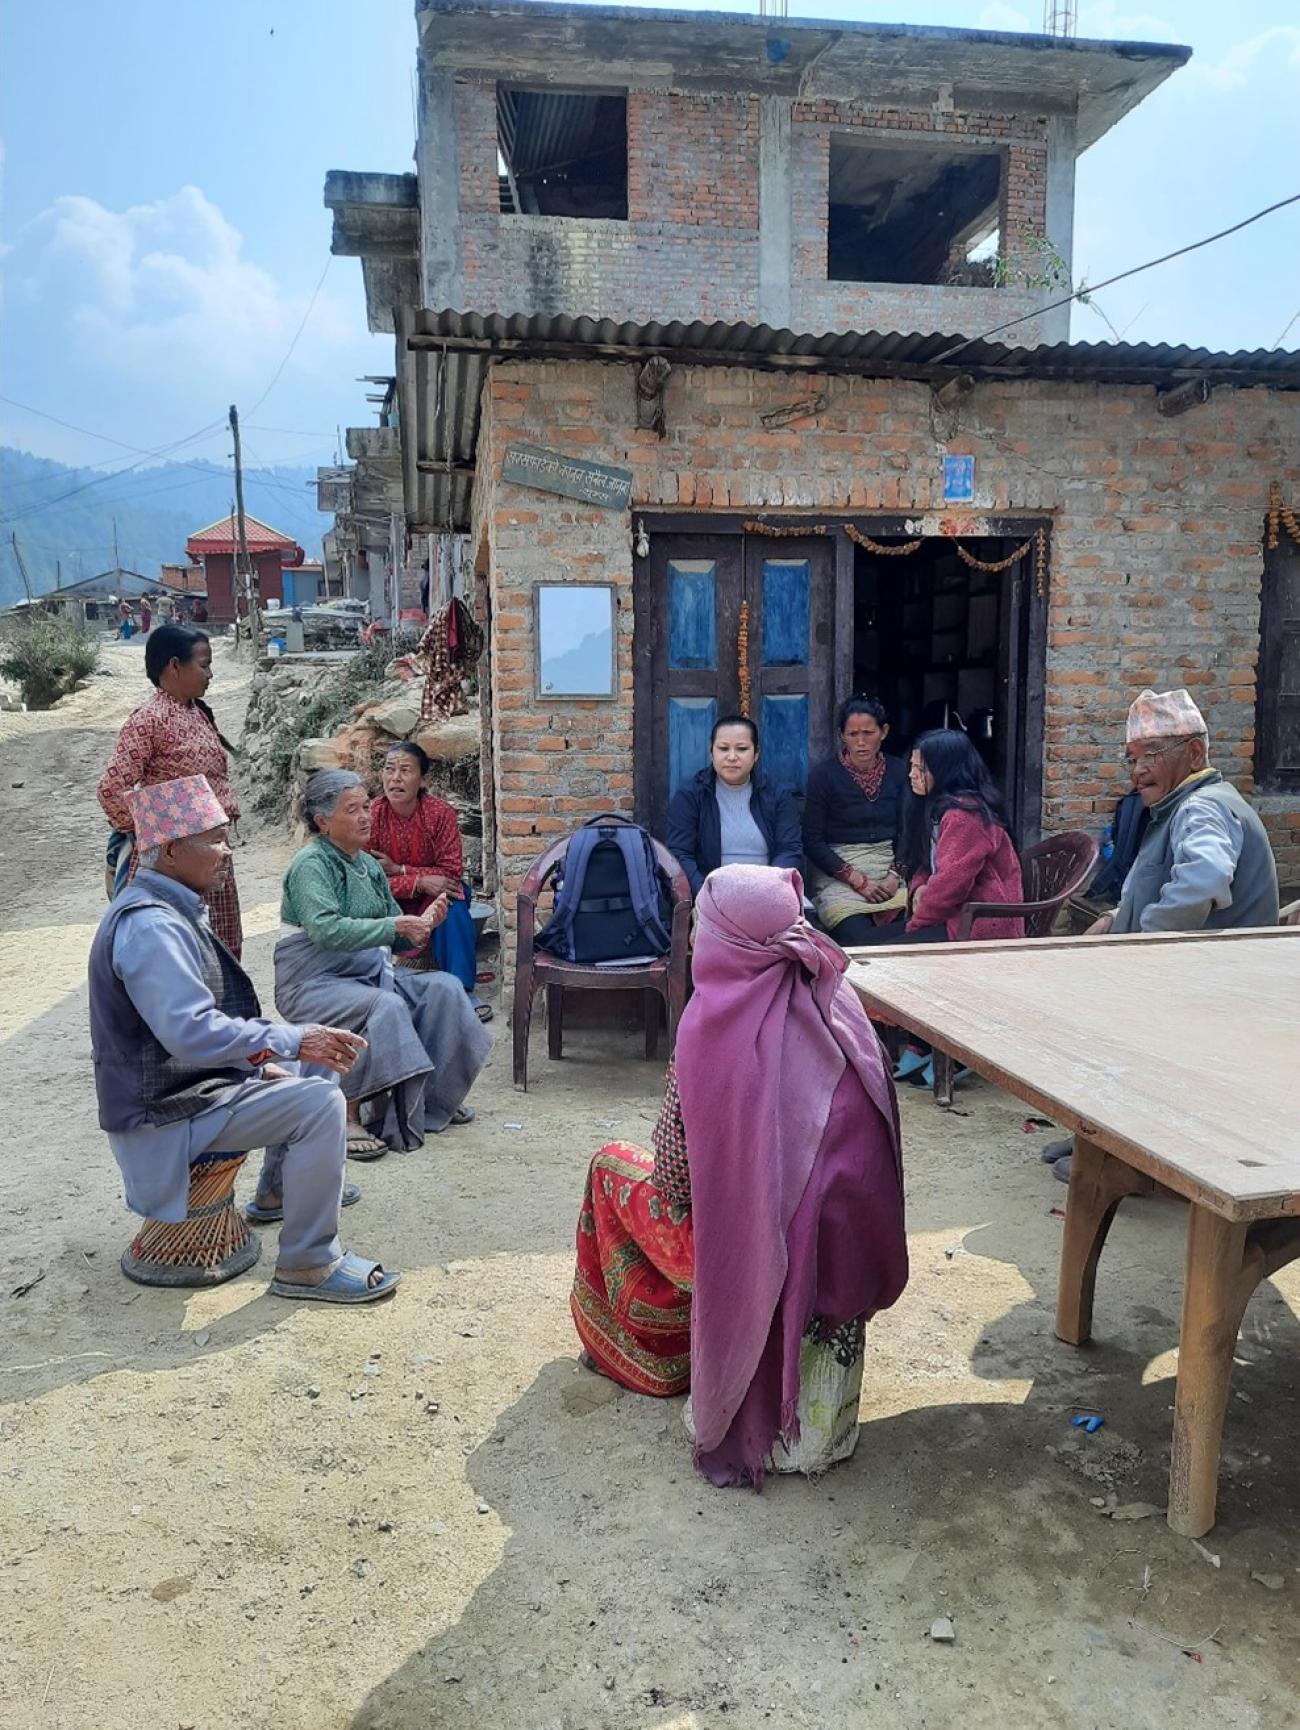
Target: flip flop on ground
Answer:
[[256, 1214], [462, 1114], [353, 1280], [363, 1145]]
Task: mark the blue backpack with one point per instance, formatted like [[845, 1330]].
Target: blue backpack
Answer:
[[612, 900]]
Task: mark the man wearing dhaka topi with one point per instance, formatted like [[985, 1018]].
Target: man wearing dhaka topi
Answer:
[[1205, 863], [185, 1063]]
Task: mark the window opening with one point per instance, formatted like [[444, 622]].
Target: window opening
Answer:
[[562, 152], [911, 213]]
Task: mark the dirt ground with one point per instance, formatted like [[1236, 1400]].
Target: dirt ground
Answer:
[[219, 1510]]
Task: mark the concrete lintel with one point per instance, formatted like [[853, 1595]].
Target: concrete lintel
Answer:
[[350, 186]]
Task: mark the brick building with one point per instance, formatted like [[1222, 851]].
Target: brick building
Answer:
[[216, 547], [729, 511]]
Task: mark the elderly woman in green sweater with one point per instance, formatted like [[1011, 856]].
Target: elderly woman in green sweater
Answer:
[[425, 1045]]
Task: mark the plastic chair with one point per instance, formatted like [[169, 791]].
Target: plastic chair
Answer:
[[1051, 870], [664, 977]]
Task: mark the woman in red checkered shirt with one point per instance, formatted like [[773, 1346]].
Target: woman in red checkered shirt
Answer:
[[416, 839], [173, 735]]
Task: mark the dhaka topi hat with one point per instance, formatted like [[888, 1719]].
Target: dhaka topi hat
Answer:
[[171, 810], [1164, 715]]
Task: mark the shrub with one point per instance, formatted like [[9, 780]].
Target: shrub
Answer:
[[47, 656]]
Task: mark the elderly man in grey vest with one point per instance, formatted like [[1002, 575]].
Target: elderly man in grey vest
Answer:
[[1205, 863], [185, 1063]]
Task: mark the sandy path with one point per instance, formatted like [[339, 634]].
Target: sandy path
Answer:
[[189, 1539]]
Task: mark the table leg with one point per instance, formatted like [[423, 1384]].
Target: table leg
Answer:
[[1214, 1300], [1098, 1183], [1226, 1260]]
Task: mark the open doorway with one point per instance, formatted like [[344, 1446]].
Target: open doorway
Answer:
[[942, 642]]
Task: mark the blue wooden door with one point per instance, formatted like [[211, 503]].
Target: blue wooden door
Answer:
[[689, 650], [687, 621], [789, 586]]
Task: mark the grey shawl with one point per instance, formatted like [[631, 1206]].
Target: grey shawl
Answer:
[[425, 1045]]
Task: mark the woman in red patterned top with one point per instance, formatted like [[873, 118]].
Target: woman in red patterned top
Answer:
[[173, 735], [415, 837]]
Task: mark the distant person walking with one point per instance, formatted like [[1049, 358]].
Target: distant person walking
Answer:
[[172, 736], [146, 615], [125, 621]]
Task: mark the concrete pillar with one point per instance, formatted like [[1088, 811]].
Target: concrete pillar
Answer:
[[775, 210], [1062, 147], [439, 167]]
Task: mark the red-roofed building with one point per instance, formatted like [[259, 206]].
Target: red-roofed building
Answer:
[[216, 547]]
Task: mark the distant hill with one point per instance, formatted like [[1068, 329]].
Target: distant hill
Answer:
[[57, 515]]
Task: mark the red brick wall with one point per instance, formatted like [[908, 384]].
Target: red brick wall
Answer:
[[690, 246], [219, 576], [219, 579], [692, 160], [1156, 531]]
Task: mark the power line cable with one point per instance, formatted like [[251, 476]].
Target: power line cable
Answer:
[[275, 379], [104, 438], [1123, 275], [161, 454]]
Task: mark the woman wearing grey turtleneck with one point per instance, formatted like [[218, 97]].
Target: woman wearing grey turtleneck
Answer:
[[729, 814]]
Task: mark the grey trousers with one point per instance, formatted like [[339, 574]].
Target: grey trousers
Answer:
[[301, 1122]]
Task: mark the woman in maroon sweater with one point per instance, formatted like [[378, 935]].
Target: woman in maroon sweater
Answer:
[[956, 845]]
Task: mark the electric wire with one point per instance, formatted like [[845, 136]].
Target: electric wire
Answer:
[[1122, 276]]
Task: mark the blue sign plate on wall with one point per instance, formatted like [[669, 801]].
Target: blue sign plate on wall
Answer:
[[958, 480]]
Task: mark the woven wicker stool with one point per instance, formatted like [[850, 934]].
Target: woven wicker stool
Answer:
[[211, 1244]]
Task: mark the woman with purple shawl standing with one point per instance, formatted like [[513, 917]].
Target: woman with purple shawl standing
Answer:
[[744, 1259]]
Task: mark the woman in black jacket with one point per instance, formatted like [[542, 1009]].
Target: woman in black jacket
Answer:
[[728, 814], [852, 826]]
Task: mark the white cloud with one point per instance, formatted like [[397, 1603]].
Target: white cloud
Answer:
[[998, 15], [1109, 21], [162, 286], [1232, 71]]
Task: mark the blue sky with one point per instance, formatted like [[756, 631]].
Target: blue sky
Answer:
[[164, 232]]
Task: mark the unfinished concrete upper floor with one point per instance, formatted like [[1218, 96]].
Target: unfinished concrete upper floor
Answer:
[[654, 165]]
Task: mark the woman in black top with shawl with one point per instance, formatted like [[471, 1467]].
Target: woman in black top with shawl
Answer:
[[852, 826]]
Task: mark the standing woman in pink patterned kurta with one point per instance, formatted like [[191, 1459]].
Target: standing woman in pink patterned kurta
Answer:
[[173, 735]]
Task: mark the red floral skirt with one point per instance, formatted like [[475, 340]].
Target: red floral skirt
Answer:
[[632, 1288]]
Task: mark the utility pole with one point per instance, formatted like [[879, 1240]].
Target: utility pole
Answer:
[[22, 566], [117, 560], [250, 583]]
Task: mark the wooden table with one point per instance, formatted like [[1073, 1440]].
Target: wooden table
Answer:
[[1175, 1061]]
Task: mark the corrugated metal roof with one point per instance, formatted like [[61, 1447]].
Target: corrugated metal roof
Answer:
[[439, 396], [223, 537], [445, 357], [876, 353]]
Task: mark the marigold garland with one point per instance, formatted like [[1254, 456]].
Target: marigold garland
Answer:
[[992, 566], [878, 547], [1280, 516], [1278, 513], [742, 658]]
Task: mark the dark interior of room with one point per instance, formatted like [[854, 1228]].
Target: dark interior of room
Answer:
[[907, 213], [926, 636]]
